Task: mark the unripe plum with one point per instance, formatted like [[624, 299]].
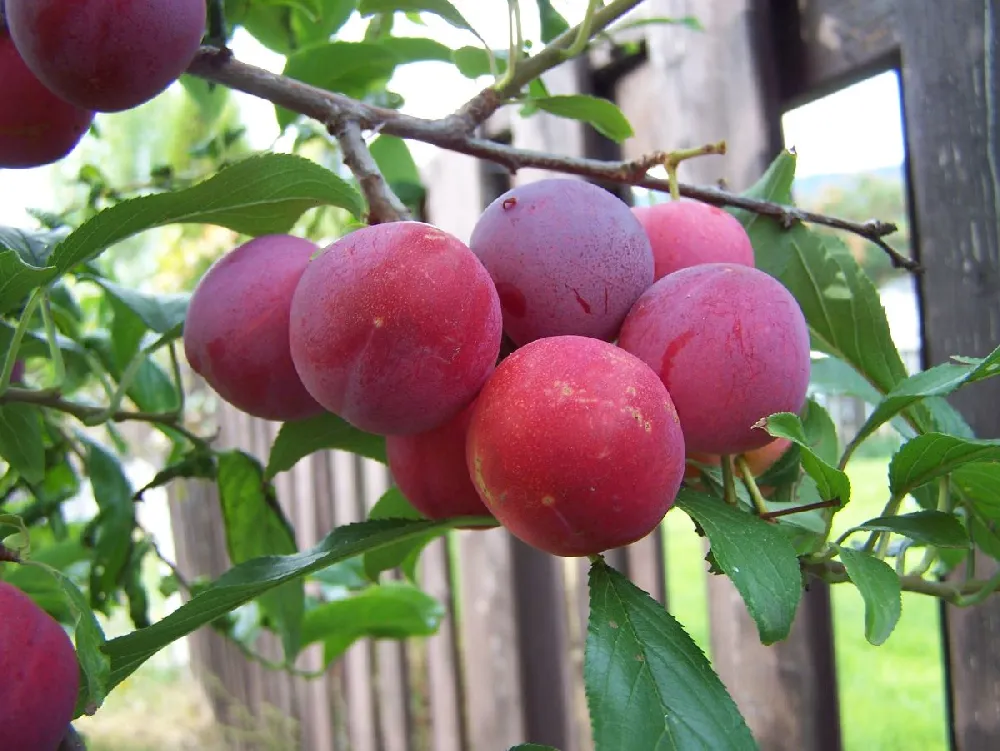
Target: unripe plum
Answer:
[[575, 446], [567, 257], [395, 327], [430, 470], [689, 233], [730, 344], [36, 126], [41, 675], [107, 55], [236, 332]]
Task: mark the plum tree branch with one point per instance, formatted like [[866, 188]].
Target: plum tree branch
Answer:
[[333, 109], [383, 204], [965, 593]]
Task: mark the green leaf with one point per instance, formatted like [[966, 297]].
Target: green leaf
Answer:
[[256, 526], [393, 505], [834, 377], [473, 62], [648, 684], [830, 481], [347, 67], [932, 455], [197, 464], [18, 279], [95, 666], [114, 524], [160, 313], [758, 558], [689, 22], [931, 527], [602, 115], [416, 49], [262, 194], [979, 484], [441, 8], [298, 439], [250, 580], [393, 610], [393, 158], [33, 246], [551, 21], [210, 98], [532, 747], [879, 587], [821, 432], [152, 390], [21, 440], [940, 380]]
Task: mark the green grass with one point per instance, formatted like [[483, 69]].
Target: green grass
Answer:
[[892, 696]]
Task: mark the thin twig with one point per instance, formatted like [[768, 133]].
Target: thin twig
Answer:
[[832, 503], [383, 204], [181, 580], [330, 108], [835, 573]]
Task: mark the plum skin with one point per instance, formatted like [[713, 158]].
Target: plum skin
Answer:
[[395, 327], [575, 446], [41, 675], [107, 55], [567, 257], [731, 345], [430, 470], [36, 126], [688, 233], [236, 332]]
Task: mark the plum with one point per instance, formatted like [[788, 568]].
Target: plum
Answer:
[[107, 55], [567, 257], [36, 126], [575, 446], [236, 332], [395, 327], [430, 470], [688, 233], [730, 344], [41, 675]]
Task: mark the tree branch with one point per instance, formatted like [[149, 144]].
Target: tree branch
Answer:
[[835, 573], [333, 109], [53, 400], [383, 204]]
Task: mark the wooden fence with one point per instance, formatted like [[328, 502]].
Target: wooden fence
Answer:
[[506, 665]]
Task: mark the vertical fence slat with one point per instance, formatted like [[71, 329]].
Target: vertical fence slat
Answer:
[[951, 82]]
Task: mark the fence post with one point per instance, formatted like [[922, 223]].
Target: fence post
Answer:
[[951, 75]]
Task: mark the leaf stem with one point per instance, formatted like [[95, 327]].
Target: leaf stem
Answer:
[[15, 341], [50, 334], [890, 509], [119, 395], [728, 480], [748, 479], [584, 31]]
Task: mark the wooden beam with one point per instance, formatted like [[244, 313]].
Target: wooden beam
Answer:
[[824, 45], [951, 86]]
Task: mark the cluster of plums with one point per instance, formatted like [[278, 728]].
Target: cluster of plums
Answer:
[[60, 62], [572, 442]]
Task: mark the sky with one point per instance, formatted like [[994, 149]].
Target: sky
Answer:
[[854, 130]]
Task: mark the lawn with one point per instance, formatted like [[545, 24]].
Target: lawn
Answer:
[[892, 696]]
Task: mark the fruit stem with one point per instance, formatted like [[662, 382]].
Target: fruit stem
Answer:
[[216, 24], [50, 333], [15, 341], [758, 499], [583, 37], [672, 159], [728, 480]]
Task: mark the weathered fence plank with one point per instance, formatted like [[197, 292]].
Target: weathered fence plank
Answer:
[[951, 83]]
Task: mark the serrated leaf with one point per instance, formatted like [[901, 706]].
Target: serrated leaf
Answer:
[[33, 246], [551, 21], [394, 505], [250, 580], [985, 536], [931, 527], [392, 610], [820, 431], [441, 8], [347, 67], [298, 439], [18, 279], [160, 313], [603, 115], [259, 195], [756, 556], [979, 484], [648, 684], [832, 376], [256, 526], [197, 464], [152, 390], [932, 455], [21, 440], [830, 481], [880, 589], [941, 380]]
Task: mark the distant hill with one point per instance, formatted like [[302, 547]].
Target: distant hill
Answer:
[[809, 187]]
